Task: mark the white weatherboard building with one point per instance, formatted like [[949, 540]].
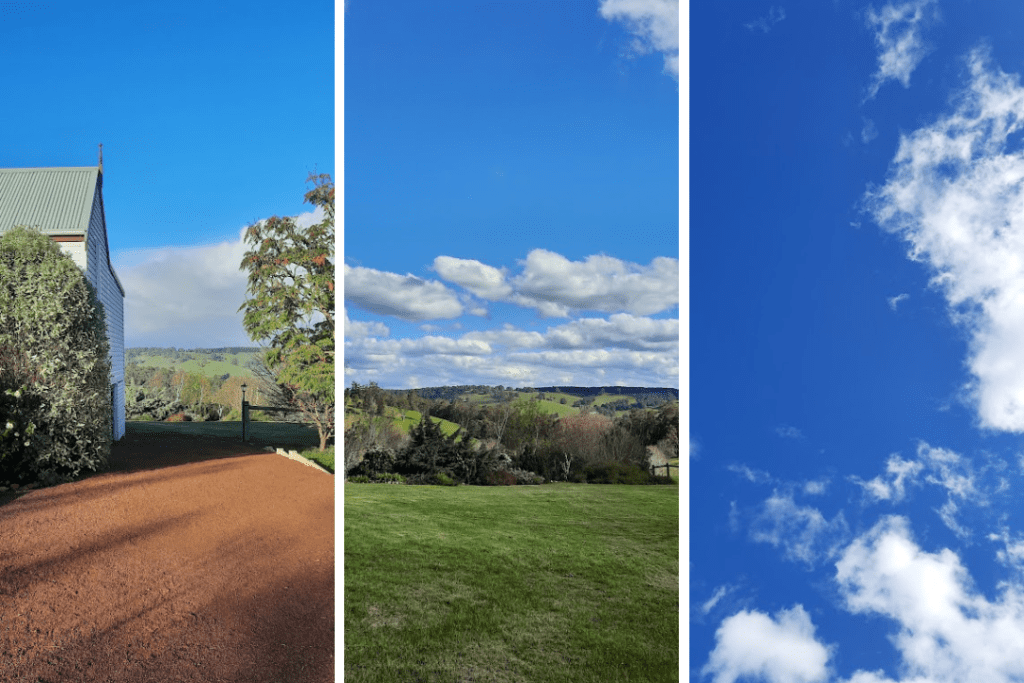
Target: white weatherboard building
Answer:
[[67, 205]]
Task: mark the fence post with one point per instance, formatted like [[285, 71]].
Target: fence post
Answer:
[[245, 418]]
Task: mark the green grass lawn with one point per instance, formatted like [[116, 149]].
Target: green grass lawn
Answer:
[[561, 582], [324, 458], [277, 434]]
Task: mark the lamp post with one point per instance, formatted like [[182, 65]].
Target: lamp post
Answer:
[[245, 411]]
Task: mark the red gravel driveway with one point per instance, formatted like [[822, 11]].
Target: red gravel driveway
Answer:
[[192, 559]]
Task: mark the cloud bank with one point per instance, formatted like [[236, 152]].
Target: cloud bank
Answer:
[[187, 297], [621, 345]]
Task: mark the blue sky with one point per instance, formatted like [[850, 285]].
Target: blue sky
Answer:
[[512, 193], [856, 319], [211, 115]]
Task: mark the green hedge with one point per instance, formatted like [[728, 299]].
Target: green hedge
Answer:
[[52, 322]]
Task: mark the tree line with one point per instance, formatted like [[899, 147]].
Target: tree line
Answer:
[[511, 436]]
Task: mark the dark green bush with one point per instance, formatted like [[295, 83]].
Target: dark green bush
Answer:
[[616, 473], [20, 438], [359, 479], [377, 461], [442, 479], [388, 478], [51, 318]]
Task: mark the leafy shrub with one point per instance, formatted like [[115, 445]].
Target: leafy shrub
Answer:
[[663, 480], [377, 461], [500, 478], [51, 318], [359, 479], [616, 473], [389, 478], [546, 460], [524, 478], [442, 479], [18, 439]]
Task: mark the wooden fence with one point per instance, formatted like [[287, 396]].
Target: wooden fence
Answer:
[[246, 407], [655, 468]]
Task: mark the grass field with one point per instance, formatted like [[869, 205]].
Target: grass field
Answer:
[[561, 582], [213, 368]]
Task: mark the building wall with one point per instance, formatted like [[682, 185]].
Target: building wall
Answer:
[[76, 250], [99, 273]]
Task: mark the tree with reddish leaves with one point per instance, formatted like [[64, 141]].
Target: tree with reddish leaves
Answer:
[[579, 439], [290, 304]]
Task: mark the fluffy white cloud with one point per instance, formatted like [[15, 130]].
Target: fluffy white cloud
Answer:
[[555, 285], [621, 330], [187, 297], [653, 23], [407, 297], [482, 280], [751, 645], [955, 193], [897, 30], [803, 532], [948, 633], [355, 329]]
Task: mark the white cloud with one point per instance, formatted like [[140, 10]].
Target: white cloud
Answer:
[[893, 486], [710, 603], [802, 532], [482, 280], [188, 297], [407, 297], [750, 474], [653, 23], [816, 487], [947, 632], [897, 35], [789, 432], [620, 330], [869, 132], [766, 23], [355, 329], [955, 193], [752, 645], [555, 285], [895, 301]]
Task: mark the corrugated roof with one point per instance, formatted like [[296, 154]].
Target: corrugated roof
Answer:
[[52, 200]]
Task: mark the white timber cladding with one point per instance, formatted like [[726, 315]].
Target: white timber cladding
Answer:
[[100, 273]]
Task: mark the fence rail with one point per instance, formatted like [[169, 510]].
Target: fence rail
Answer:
[[655, 468], [246, 407]]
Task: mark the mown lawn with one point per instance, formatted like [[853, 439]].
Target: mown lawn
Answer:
[[561, 582]]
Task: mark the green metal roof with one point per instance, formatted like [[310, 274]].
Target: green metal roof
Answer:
[[55, 201]]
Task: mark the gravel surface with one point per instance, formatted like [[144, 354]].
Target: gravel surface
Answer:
[[194, 559]]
